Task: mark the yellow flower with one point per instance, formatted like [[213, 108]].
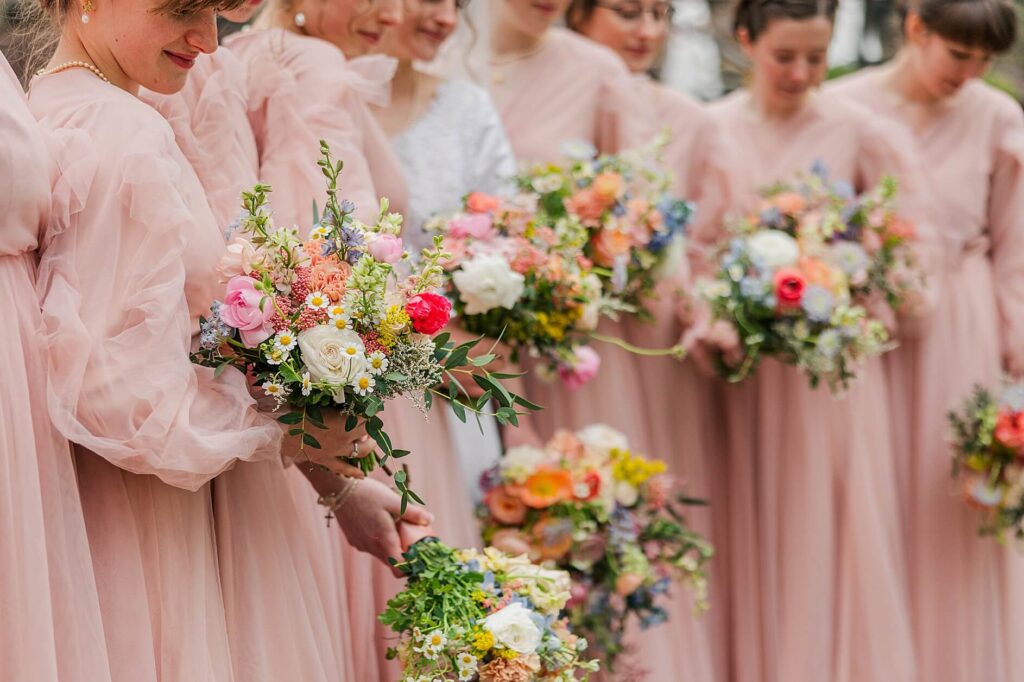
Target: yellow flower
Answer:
[[507, 653], [479, 595], [634, 469], [396, 321], [483, 641]]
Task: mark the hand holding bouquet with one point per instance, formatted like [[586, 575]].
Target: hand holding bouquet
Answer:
[[482, 616], [804, 278], [588, 505], [326, 323], [988, 442]]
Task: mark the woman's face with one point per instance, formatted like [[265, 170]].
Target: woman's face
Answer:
[[425, 26], [635, 29], [531, 17], [366, 30], [941, 66], [152, 49], [789, 59]]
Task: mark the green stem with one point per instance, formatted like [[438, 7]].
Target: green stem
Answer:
[[677, 351]]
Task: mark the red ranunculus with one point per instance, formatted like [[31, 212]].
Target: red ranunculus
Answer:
[[429, 312], [1010, 429], [789, 287]]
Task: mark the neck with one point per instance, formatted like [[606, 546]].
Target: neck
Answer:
[[771, 110], [507, 40], [71, 48], [904, 81], [403, 85]]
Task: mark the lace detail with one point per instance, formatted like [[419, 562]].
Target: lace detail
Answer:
[[456, 147]]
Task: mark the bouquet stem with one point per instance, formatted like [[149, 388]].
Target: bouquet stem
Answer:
[[677, 351]]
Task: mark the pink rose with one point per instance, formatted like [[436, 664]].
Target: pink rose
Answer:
[[475, 225], [511, 542], [240, 259], [430, 312], [386, 248], [241, 310], [583, 369]]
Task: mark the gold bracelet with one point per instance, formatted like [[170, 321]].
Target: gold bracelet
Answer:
[[337, 500]]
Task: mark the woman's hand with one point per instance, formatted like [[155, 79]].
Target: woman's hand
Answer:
[[371, 516], [707, 338], [338, 445], [410, 534]]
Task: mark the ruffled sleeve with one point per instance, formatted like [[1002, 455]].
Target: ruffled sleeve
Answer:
[[311, 100], [1006, 228], [120, 281]]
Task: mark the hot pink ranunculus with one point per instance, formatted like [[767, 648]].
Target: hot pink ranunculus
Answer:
[[241, 310], [386, 248], [475, 225], [583, 369], [430, 312], [789, 287]]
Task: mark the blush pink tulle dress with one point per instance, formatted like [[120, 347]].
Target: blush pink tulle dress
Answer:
[[50, 623], [966, 592]]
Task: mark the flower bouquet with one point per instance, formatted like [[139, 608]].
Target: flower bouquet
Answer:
[[988, 444], [633, 227], [525, 283], [326, 324], [804, 278], [468, 615], [588, 505]]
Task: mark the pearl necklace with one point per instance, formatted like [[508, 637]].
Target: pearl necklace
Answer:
[[72, 65]]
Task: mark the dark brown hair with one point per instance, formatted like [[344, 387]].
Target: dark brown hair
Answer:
[[989, 25], [755, 15], [579, 11]]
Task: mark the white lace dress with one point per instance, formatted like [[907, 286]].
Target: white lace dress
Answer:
[[458, 146]]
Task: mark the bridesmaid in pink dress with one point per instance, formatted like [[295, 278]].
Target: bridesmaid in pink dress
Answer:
[[814, 555], [637, 31], [967, 593], [128, 267], [50, 623]]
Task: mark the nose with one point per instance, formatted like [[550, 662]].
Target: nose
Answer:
[[202, 35], [448, 14], [649, 28], [800, 72], [389, 12]]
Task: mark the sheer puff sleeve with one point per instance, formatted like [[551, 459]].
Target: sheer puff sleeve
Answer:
[[1006, 228], [125, 271]]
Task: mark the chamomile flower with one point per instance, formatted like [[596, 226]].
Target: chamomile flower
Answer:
[[352, 349], [467, 664], [319, 232], [467, 674], [275, 389], [364, 384], [275, 356], [285, 340], [335, 311], [435, 642], [317, 300], [307, 384], [378, 363]]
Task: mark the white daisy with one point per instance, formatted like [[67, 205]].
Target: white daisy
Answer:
[[363, 384], [319, 232], [276, 356], [335, 311], [317, 300], [285, 340], [378, 363], [274, 389], [341, 323], [307, 384], [352, 349], [467, 674]]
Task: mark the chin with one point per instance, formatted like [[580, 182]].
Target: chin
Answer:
[[167, 84]]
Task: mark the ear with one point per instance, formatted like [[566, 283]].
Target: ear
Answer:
[[746, 44], [914, 29]]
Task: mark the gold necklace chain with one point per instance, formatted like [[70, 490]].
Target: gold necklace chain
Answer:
[[500, 64], [73, 65]]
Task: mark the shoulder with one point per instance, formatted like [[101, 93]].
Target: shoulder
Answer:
[[586, 53], [983, 100], [298, 53], [728, 106], [679, 107], [862, 81]]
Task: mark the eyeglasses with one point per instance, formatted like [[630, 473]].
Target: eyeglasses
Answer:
[[661, 12]]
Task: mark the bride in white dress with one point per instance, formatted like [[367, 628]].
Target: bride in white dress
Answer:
[[450, 141]]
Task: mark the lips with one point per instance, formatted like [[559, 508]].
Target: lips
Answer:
[[185, 61], [371, 38], [436, 36], [544, 7]]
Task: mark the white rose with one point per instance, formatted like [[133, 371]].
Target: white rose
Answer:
[[548, 589], [592, 311], [518, 463], [773, 249], [487, 282], [513, 628], [602, 439], [626, 494], [327, 352]]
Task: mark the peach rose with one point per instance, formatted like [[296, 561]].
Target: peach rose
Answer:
[[330, 277], [818, 272], [790, 203], [478, 202], [510, 541], [607, 245], [587, 205], [552, 539], [607, 186], [506, 508]]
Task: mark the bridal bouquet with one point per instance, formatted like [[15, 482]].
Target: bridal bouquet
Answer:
[[523, 282], [588, 505], [988, 443], [804, 278], [482, 616], [326, 324], [632, 225]]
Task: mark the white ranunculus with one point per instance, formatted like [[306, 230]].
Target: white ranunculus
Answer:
[[592, 310], [513, 628], [519, 462], [773, 249], [487, 282], [325, 352], [602, 439]]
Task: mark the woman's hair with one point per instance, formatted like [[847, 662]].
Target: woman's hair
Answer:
[[989, 25], [755, 15], [578, 13]]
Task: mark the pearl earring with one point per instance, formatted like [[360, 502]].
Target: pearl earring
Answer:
[[87, 9], [300, 19]]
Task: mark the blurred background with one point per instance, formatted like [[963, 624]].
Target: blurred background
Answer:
[[702, 58]]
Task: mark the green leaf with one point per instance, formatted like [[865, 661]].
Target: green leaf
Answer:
[[294, 432], [509, 414], [315, 416], [401, 477], [351, 423], [459, 411], [290, 418], [220, 369], [310, 441], [482, 360], [441, 339], [457, 358], [523, 402], [395, 376]]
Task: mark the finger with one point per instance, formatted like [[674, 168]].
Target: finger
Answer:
[[418, 515]]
